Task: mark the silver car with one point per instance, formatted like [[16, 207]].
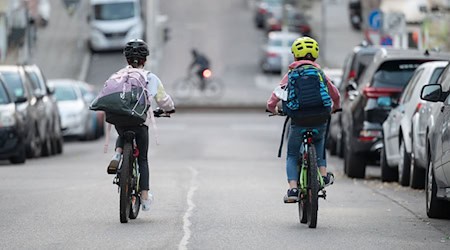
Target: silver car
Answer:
[[404, 137], [277, 49]]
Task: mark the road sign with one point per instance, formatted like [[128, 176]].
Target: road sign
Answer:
[[394, 23], [375, 19]]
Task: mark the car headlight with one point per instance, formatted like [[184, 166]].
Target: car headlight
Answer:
[[7, 120]]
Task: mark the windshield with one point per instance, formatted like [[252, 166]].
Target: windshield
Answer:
[[114, 11], [14, 83], [65, 93], [3, 95], [279, 42], [395, 74]]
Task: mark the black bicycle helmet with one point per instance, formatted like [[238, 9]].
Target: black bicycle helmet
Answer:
[[136, 49]]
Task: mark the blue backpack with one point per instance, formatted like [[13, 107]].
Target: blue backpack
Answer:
[[308, 101]]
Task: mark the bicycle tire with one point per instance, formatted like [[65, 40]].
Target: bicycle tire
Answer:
[[312, 201], [125, 183], [183, 88], [136, 204], [214, 88]]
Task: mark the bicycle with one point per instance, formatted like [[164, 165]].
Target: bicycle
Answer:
[[191, 85], [310, 183], [128, 176]]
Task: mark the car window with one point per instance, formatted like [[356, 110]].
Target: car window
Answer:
[[410, 88], [395, 74], [435, 76], [444, 80], [35, 83], [360, 64], [3, 95], [65, 93], [114, 11], [14, 83]]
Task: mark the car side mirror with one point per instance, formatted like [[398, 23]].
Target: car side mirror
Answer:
[[431, 93], [50, 90], [21, 99]]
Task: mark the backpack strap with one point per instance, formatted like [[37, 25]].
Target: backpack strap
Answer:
[[282, 136]]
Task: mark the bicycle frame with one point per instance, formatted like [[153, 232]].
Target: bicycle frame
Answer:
[[304, 165]]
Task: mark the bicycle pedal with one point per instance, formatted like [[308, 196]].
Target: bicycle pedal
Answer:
[[286, 200]]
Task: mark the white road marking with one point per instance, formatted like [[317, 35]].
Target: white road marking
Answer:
[[186, 222]]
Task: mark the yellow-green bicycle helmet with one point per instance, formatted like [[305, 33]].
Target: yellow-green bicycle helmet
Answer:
[[305, 45]]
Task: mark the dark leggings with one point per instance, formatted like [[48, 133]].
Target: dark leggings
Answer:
[[141, 135]]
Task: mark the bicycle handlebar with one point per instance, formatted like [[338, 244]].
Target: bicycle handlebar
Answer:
[[161, 113]]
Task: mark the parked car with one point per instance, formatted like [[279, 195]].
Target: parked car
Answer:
[[53, 143], [354, 65], [399, 162], [31, 101], [97, 117], [263, 9], [296, 21], [335, 76], [278, 44], [13, 133], [369, 104], [74, 110], [437, 179]]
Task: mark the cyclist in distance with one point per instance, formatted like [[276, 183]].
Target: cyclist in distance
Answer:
[[136, 52], [305, 51], [199, 64]]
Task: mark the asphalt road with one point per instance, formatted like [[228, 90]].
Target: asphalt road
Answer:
[[217, 185]]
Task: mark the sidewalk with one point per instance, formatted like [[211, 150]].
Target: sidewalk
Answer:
[[61, 48]]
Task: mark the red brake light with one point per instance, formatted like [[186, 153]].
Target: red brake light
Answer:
[[262, 11], [418, 107], [372, 92], [272, 54], [351, 74]]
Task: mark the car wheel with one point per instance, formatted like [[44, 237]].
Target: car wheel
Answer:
[[331, 146], [436, 208], [355, 164], [404, 166], [388, 174], [21, 157], [417, 174], [47, 147], [34, 148]]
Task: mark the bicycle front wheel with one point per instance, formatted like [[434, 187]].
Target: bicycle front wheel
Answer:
[[125, 183], [214, 88], [312, 201], [183, 88]]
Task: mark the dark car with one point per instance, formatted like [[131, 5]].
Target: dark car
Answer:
[[437, 182], [20, 87], [370, 102], [354, 65], [355, 14], [296, 21], [263, 10], [12, 127], [53, 143]]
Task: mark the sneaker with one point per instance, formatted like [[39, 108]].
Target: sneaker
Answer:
[[291, 196], [114, 164], [146, 203], [329, 179]]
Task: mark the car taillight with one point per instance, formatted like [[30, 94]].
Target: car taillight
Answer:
[[275, 27], [262, 11], [418, 107], [373, 92], [351, 75], [305, 29], [272, 54], [369, 135]]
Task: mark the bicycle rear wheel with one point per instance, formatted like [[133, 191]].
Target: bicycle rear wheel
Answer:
[[183, 88], [312, 201], [135, 198], [302, 213], [125, 183], [214, 88]]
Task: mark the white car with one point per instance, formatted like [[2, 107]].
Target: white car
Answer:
[[113, 23], [403, 136], [277, 49], [73, 109]]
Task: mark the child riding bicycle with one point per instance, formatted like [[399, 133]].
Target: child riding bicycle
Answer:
[[308, 98]]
